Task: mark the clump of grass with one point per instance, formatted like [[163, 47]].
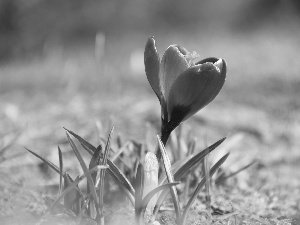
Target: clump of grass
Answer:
[[79, 206]]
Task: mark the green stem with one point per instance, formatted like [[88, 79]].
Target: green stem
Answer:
[[165, 134]]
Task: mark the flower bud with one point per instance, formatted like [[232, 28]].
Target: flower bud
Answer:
[[150, 178]]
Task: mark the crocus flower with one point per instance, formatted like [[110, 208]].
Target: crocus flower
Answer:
[[182, 86]]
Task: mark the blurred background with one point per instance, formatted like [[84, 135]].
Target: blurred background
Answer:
[[53, 52], [79, 64], [71, 63]]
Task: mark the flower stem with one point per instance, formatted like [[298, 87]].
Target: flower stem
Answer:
[[165, 134]]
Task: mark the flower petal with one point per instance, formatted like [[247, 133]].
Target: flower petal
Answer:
[[210, 59], [173, 63], [152, 62], [195, 88]]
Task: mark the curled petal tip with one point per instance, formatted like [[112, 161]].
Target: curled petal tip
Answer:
[[151, 39], [150, 48], [219, 64], [179, 49], [207, 67], [224, 69]]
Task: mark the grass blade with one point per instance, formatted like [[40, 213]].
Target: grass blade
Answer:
[[113, 170], [71, 199], [207, 182], [139, 188], [221, 178], [95, 161], [50, 164], [76, 182], [83, 208], [200, 185], [60, 170], [180, 171], [85, 170], [170, 177], [191, 149], [120, 151], [141, 210], [89, 147], [102, 174]]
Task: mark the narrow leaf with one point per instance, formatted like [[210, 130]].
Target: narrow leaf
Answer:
[[72, 197], [191, 149], [170, 177], [207, 183], [60, 170], [90, 148], [102, 173], [50, 164], [179, 169], [71, 186], [139, 186], [221, 178], [120, 151], [113, 170], [83, 208], [85, 170], [148, 197], [200, 185], [95, 161], [141, 210]]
